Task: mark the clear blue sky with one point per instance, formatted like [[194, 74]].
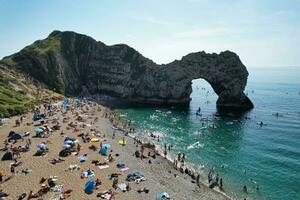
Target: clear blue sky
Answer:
[[262, 32]]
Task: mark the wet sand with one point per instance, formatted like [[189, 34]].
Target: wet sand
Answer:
[[159, 178]]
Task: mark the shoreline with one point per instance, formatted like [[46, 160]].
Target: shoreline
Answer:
[[171, 161], [160, 174]]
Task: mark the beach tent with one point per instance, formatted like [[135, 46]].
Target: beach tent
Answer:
[[65, 104], [105, 149], [78, 102], [89, 186], [163, 196], [122, 142], [212, 183], [36, 116], [39, 130], [8, 155], [16, 136]]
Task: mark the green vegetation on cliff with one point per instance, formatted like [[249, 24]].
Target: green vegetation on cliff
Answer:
[[17, 94], [13, 102], [39, 60]]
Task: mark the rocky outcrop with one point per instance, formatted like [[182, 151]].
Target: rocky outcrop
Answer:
[[68, 62]]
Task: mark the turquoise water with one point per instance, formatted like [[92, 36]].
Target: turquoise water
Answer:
[[238, 150]]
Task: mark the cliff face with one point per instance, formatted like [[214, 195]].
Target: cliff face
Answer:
[[70, 63]]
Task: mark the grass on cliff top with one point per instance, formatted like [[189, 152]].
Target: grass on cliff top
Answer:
[[13, 102], [38, 47], [43, 46]]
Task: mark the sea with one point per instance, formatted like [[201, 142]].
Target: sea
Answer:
[[265, 158]]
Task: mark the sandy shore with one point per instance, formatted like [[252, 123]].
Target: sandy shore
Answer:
[[159, 174]]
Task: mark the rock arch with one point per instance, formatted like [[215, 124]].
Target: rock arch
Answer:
[[172, 83], [68, 62]]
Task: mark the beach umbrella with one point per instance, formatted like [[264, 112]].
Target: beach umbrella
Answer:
[[162, 196], [89, 186]]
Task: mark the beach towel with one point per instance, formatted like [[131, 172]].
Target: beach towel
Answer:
[[122, 186], [83, 159], [124, 169], [94, 140], [103, 166], [121, 165], [87, 174]]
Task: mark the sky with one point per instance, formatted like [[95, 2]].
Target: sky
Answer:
[[264, 33]]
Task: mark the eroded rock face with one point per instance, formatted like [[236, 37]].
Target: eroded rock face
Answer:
[[67, 62]]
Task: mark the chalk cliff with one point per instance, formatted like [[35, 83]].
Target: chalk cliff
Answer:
[[69, 63]]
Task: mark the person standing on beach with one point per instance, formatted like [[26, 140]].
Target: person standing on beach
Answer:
[[165, 153], [175, 163], [1, 176], [142, 152], [198, 180], [12, 169], [179, 156], [209, 176], [115, 183], [221, 183], [245, 189], [165, 150], [78, 148]]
